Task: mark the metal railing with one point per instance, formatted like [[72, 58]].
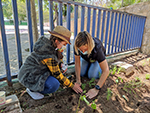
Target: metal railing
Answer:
[[119, 31]]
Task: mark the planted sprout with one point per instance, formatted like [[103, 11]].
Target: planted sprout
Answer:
[[114, 70], [83, 86], [93, 105], [119, 70], [91, 82], [147, 76], [109, 93], [83, 98]]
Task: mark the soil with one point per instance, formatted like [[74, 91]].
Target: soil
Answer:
[[119, 94]]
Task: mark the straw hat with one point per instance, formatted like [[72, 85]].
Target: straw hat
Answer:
[[62, 33]]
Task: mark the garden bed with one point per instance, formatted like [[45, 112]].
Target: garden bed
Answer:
[[120, 94]]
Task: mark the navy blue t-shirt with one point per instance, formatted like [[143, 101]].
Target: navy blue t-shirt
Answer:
[[97, 54]]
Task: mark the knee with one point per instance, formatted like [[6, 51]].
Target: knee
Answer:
[[52, 87], [92, 75]]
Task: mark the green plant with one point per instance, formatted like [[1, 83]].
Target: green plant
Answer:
[[109, 94], [121, 80], [83, 98], [119, 69], [91, 82], [117, 81], [83, 86], [93, 105], [147, 76], [99, 74], [114, 70], [137, 78]]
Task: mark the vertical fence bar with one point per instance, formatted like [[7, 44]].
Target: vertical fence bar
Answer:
[[128, 37], [111, 25], [134, 33], [98, 23], [120, 32], [41, 16], [103, 25], [29, 25], [17, 35], [68, 26], [82, 18], [75, 23], [107, 28], [4, 46], [118, 28], [131, 33], [123, 35], [60, 14], [126, 32], [138, 37], [94, 21], [114, 33], [143, 25], [51, 15], [89, 19]]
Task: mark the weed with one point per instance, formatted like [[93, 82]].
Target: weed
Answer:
[[147, 76], [109, 93]]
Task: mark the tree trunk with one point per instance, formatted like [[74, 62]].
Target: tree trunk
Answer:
[[34, 21]]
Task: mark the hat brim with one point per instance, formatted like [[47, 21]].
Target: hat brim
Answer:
[[59, 36]]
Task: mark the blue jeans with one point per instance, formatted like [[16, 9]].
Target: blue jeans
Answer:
[[92, 70], [51, 85]]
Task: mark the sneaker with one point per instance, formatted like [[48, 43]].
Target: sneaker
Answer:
[[34, 95]]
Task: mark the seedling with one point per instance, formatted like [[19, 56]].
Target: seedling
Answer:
[[83, 86], [121, 80], [83, 98], [119, 69], [117, 81], [91, 82], [137, 78], [93, 105], [114, 70], [109, 93], [147, 76]]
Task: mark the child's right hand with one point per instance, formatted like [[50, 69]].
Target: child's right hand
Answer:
[[77, 88]]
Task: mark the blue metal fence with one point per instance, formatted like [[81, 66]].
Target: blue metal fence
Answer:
[[117, 30]]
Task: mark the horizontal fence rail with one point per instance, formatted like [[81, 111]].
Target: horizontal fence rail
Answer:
[[118, 31]]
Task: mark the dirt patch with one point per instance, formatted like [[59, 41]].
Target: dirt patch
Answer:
[[120, 94]]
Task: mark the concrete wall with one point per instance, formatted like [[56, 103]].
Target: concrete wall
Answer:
[[142, 9]]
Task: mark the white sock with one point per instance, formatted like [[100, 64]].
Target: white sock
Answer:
[[35, 95]]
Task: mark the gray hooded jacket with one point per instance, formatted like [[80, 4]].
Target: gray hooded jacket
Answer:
[[33, 73]]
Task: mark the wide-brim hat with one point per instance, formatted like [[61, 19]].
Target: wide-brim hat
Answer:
[[62, 33]]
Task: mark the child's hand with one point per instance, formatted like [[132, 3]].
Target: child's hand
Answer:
[[77, 88]]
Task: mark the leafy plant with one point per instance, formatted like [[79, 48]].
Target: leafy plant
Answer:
[[109, 94], [114, 70], [91, 82], [119, 69], [83, 86], [83, 98], [93, 105], [147, 76], [117, 81], [121, 80]]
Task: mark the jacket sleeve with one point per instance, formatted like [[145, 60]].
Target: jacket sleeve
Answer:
[[55, 70]]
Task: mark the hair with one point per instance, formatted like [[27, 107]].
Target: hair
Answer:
[[82, 39], [52, 39]]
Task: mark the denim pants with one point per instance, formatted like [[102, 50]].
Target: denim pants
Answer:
[[92, 70], [51, 85]]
